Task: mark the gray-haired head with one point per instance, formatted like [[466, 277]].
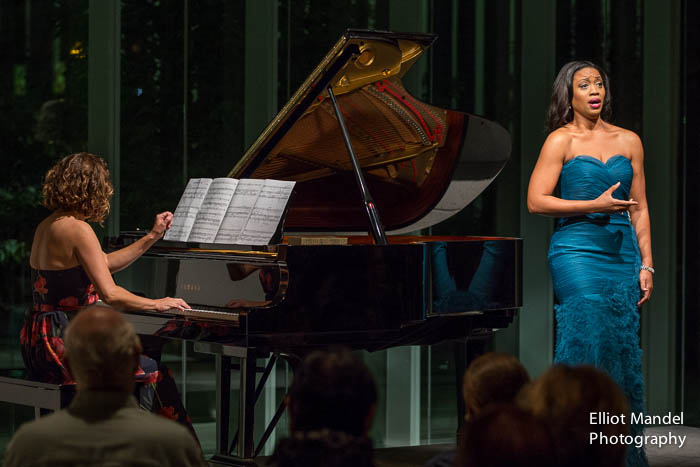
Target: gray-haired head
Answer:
[[102, 349]]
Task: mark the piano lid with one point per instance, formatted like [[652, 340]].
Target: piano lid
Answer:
[[413, 155]]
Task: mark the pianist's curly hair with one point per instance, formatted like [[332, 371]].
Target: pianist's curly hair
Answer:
[[80, 183]]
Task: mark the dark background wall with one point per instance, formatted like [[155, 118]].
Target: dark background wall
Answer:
[[689, 212]]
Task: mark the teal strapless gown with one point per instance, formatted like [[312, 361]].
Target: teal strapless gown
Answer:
[[594, 261]]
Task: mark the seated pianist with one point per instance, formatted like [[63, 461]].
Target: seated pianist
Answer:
[[70, 270]]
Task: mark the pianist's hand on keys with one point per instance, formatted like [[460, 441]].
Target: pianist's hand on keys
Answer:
[[168, 303]]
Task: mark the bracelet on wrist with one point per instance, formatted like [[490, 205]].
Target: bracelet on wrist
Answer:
[[644, 267]]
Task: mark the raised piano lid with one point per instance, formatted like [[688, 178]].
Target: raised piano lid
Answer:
[[422, 163]]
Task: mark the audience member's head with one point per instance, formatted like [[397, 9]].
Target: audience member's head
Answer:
[[102, 350], [565, 397], [332, 390], [504, 435], [322, 448], [493, 378]]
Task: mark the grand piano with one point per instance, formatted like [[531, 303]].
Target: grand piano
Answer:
[[374, 167]]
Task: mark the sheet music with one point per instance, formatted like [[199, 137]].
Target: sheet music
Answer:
[[226, 210], [212, 210], [187, 209], [267, 213], [239, 210]]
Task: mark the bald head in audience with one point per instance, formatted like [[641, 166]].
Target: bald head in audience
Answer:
[[102, 350]]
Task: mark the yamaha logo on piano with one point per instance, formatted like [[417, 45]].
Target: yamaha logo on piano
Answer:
[[190, 287]]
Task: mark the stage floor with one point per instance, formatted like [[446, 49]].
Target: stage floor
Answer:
[[667, 456]]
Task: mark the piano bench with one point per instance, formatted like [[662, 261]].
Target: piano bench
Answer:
[[16, 387]]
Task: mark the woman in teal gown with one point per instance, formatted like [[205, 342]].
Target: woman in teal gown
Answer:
[[600, 253]]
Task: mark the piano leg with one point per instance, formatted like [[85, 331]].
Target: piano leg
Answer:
[[246, 410], [224, 364], [223, 403], [273, 423], [272, 361], [293, 361], [243, 441]]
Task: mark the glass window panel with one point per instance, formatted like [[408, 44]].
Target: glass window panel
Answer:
[[151, 110], [439, 392], [195, 376], [308, 29], [43, 95], [484, 73], [160, 150], [453, 55], [215, 87], [609, 34]]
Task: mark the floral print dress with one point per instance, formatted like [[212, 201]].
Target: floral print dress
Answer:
[[57, 294]]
